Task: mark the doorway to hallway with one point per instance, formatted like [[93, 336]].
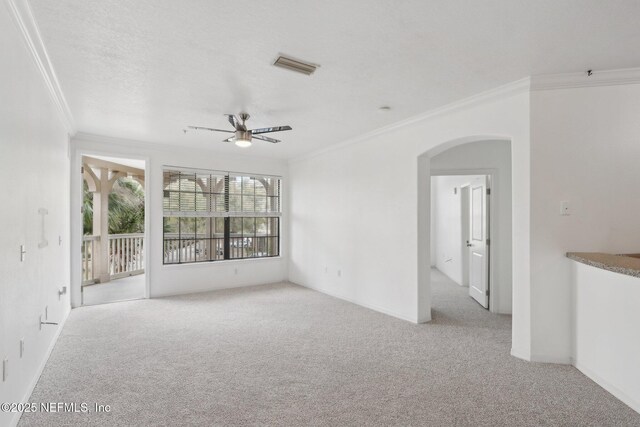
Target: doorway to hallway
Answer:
[[460, 232]]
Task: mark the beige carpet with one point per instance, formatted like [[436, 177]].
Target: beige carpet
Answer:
[[286, 355]]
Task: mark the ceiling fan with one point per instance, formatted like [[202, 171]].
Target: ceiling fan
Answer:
[[243, 136]]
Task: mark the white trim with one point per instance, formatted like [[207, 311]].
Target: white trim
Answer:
[[540, 358], [207, 291], [549, 358], [615, 391], [524, 355], [510, 89], [171, 168], [362, 304], [23, 16], [463, 172], [25, 399], [577, 80], [209, 214], [75, 183]]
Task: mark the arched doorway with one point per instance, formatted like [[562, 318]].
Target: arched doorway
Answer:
[[425, 170]]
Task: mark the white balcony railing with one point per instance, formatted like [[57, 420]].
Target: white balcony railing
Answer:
[[89, 272], [125, 256]]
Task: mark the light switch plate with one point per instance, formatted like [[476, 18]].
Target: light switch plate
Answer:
[[565, 208]]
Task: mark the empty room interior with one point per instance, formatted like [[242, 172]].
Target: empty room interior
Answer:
[[333, 213]]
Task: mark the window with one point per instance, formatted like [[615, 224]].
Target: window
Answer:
[[213, 216]]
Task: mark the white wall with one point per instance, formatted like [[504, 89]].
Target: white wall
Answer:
[[186, 278], [496, 157], [446, 221], [354, 208], [34, 171], [607, 341], [585, 149]]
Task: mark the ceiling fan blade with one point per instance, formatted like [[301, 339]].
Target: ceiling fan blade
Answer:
[[270, 129], [235, 122], [264, 138], [211, 129]]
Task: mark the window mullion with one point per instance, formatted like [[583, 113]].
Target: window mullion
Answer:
[[227, 220]]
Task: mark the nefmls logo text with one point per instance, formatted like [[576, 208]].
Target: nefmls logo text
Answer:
[[64, 407]]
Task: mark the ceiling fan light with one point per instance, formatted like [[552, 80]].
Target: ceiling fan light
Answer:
[[244, 143]]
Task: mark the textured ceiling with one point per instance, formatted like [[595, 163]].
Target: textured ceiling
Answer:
[[145, 69]]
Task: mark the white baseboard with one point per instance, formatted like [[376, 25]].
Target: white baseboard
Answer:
[[25, 399], [206, 290], [425, 319], [362, 304], [546, 358], [540, 358], [615, 391], [524, 355]]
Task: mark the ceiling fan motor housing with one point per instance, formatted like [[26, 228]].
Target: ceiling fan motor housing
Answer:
[[243, 135]]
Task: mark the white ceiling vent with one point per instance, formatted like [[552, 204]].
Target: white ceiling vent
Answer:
[[295, 65]]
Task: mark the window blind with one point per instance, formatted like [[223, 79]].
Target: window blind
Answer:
[[213, 215]]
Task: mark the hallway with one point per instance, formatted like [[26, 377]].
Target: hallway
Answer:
[[452, 306]]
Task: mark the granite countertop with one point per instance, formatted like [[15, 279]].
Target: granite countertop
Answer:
[[628, 264]]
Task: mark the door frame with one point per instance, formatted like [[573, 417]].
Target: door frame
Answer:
[[76, 183], [465, 216], [492, 175]]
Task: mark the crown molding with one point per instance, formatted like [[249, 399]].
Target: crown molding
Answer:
[[501, 92], [23, 16], [577, 80]]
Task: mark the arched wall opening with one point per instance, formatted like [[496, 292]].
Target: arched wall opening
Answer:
[[425, 171]]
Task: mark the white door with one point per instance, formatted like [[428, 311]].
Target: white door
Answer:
[[477, 244]]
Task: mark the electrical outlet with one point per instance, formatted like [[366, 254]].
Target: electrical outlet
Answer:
[[235, 270], [5, 369], [21, 348], [339, 273], [326, 269], [46, 312], [565, 208], [23, 253]]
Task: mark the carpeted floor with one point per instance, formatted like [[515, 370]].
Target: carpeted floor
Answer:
[[285, 355]]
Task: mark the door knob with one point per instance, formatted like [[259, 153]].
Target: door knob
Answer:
[[469, 244]]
